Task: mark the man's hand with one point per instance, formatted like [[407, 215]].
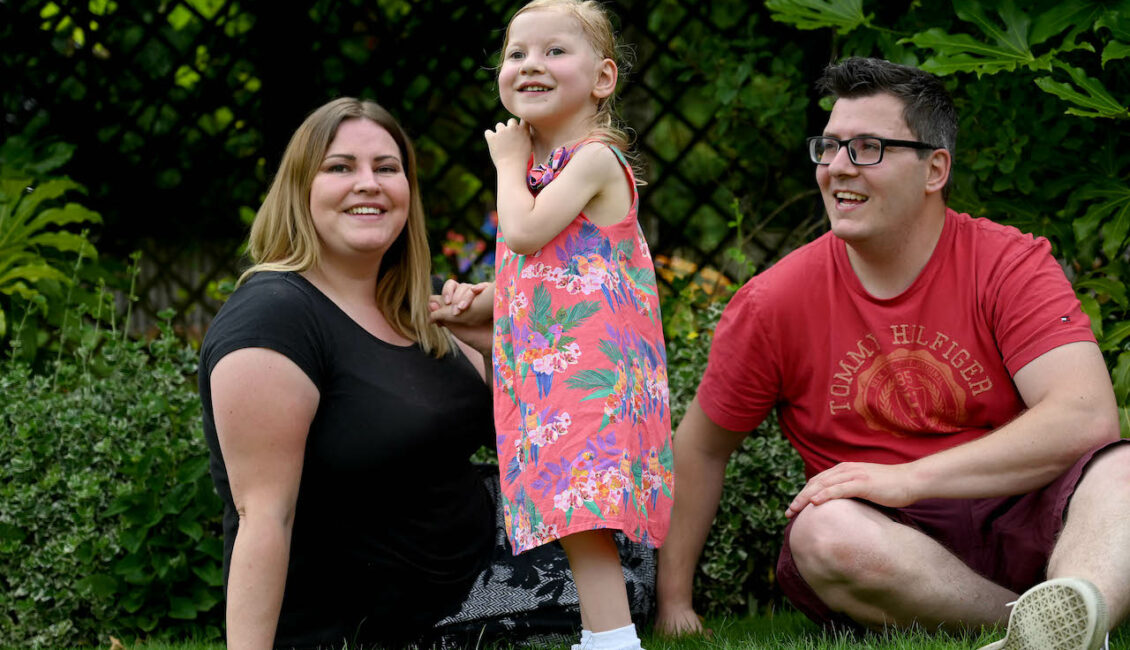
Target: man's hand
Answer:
[[886, 485], [679, 621]]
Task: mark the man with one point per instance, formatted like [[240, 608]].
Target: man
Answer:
[[939, 380]]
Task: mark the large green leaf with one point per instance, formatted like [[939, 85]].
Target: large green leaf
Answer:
[[1013, 38], [68, 214], [1105, 287], [1115, 335], [1115, 50], [32, 273], [20, 288], [1110, 213], [1121, 377], [66, 241], [1091, 308], [1009, 40], [1117, 21], [1074, 15], [1086, 92], [1115, 230], [1008, 45], [963, 53], [45, 191], [841, 15]]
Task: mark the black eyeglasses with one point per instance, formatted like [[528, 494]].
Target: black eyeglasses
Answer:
[[863, 150]]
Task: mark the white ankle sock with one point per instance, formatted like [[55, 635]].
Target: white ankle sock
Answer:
[[623, 638], [586, 635]]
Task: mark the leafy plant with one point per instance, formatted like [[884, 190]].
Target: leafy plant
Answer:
[[1055, 161], [110, 522], [36, 244], [736, 571]]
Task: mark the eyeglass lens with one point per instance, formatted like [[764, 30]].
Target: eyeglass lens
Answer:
[[863, 151]]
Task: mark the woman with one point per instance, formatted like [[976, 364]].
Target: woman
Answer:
[[341, 420]]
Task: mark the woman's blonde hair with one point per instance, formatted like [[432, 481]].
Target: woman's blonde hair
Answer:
[[597, 27], [283, 237]]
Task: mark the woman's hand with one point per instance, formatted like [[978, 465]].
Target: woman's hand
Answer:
[[467, 310]]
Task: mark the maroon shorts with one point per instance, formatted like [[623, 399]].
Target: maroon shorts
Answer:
[[1006, 539]]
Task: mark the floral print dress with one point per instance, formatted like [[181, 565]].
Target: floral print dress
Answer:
[[580, 381]]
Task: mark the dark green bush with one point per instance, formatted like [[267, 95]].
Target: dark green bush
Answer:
[[110, 524], [736, 573]]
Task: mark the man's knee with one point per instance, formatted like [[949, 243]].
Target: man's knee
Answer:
[[839, 542], [1108, 473]]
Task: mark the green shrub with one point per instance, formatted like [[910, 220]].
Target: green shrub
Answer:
[[110, 524], [736, 573]]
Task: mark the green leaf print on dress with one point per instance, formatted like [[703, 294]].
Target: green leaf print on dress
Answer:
[[635, 387]]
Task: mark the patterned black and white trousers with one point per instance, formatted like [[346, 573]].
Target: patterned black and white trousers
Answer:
[[531, 598]]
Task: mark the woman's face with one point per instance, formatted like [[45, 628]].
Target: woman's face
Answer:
[[360, 196]]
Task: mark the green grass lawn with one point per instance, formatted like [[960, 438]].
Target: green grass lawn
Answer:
[[790, 630], [783, 631]]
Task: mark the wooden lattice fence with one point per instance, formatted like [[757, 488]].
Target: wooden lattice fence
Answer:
[[180, 110]]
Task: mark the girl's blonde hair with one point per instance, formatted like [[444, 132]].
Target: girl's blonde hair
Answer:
[[597, 27], [283, 237]]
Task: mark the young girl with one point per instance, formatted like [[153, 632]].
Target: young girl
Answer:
[[580, 369]]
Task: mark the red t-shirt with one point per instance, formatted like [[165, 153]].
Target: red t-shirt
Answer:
[[858, 378]]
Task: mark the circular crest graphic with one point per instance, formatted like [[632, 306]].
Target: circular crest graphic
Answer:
[[910, 392]]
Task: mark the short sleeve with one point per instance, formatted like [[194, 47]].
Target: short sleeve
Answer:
[[269, 312], [742, 380], [1034, 308]]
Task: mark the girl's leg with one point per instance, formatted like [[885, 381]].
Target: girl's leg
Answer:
[[586, 627], [595, 561]]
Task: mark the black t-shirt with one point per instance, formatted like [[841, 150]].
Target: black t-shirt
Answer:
[[392, 523]]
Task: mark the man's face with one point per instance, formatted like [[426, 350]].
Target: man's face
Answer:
[[876, 205]]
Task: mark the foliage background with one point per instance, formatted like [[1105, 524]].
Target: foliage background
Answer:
[[171, 115]]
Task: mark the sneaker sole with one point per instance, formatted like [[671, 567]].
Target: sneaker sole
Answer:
[[1060, 614]]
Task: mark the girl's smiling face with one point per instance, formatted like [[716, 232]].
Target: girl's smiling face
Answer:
[[551, 75]]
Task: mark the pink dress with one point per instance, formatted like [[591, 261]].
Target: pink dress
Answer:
[[580, 381]]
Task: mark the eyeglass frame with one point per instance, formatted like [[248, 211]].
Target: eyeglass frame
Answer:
[[883, 144]]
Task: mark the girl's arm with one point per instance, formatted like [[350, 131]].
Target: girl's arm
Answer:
[[263, 404], [528, 222]]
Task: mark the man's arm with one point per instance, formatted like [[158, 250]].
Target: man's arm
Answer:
[[1071, 409], [702, 449]]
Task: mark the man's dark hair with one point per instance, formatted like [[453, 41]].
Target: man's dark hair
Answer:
[[928, 109]]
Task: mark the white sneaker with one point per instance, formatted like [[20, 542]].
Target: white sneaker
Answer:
[[1059, 614]]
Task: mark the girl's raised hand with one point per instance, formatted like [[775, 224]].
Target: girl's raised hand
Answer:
[[509, 143]]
